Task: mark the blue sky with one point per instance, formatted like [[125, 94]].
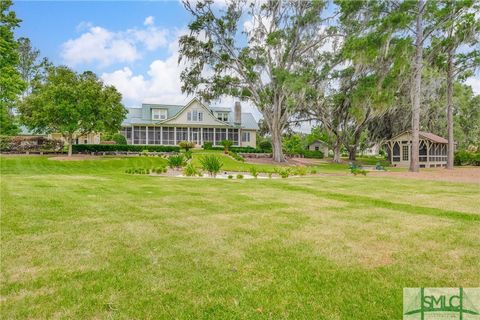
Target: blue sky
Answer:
[[132, 45]]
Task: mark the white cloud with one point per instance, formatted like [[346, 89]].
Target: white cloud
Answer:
[[474, 82], [101, 46], [149, 21]]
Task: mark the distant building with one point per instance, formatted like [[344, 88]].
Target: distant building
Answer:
[[319, 145], [432, 150], [162, 124]]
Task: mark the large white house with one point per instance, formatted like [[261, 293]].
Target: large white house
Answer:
[[162, 124]]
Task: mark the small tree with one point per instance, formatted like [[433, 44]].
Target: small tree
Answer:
[[226, 145], [73, 105], [186, 145]]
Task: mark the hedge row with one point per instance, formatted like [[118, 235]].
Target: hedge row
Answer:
[[122, 147], [29, 143], [313, 154], [464, 157], [238, 149]]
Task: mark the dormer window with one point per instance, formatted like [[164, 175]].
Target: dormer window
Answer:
[[222, 116], [195, 115], [159, 114]]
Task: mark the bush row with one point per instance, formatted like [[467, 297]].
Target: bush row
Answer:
[[208, 146], [464, 157], [36, 143], [122, 147]]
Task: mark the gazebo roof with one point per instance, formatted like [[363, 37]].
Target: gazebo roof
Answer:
[[425, 135]]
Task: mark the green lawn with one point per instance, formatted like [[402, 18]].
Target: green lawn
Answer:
[[83, 240]]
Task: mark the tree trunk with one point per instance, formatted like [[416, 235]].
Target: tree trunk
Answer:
[[70, 142], [352, 153], [336, 152], [451, 146], [277, 152], [416, 88]]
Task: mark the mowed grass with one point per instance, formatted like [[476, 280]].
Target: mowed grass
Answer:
[[83, 240]]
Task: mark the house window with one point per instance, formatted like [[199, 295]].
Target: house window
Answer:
[[245, 136], [317, 148], [222, 116], [159, 114], [233, 136], [207, 135], [405, 153], [139, 135], [220, 135], [195, 116], [182, 134]]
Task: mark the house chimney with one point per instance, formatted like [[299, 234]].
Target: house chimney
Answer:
[[238, 113]]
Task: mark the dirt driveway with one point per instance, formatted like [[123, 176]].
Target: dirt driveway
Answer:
[[464, 174]]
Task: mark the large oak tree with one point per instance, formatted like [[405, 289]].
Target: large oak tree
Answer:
[[261, 64]]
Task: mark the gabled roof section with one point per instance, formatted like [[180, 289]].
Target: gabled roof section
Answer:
[[209, 112], [425, 135]]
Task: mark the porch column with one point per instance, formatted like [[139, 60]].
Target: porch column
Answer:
[[161, 135], [188, 134], [175, 135], [133, 141], [201, 136], [146, 134], [214, 136], [226, 134]]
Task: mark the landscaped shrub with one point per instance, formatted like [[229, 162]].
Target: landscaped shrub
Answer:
[[35, 143], [186, 145], [230, 176], [283, 172], [464, 157], [207, 145], [265, 145], [315, 154], [226, 145], [212, 164], [119, 147], [356, 171], [160, 170], [190, 171], [188, 154], [313, 171], [300, 171], [176, 161], [235, 156], [239, 176], [240, 149], [119, 138], [254, 172]]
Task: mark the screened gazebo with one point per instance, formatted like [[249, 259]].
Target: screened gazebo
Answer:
[[432, 150]]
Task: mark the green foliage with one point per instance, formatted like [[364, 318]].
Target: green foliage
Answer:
[[67, 103], [207, 145], [116, 137], [313, 171], [186, 145], [293, 144], [314, 154], [33, 144], [300, 171], [254, 172], [11, 83], [240, 149], [226, 145], [176, 161], [239, 176], [121, 147], [465, 157], [212, 164], [190, 170], [230, 176], [265, 145], [283, 172], [188, 154], [236, 156], [357, 170]]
